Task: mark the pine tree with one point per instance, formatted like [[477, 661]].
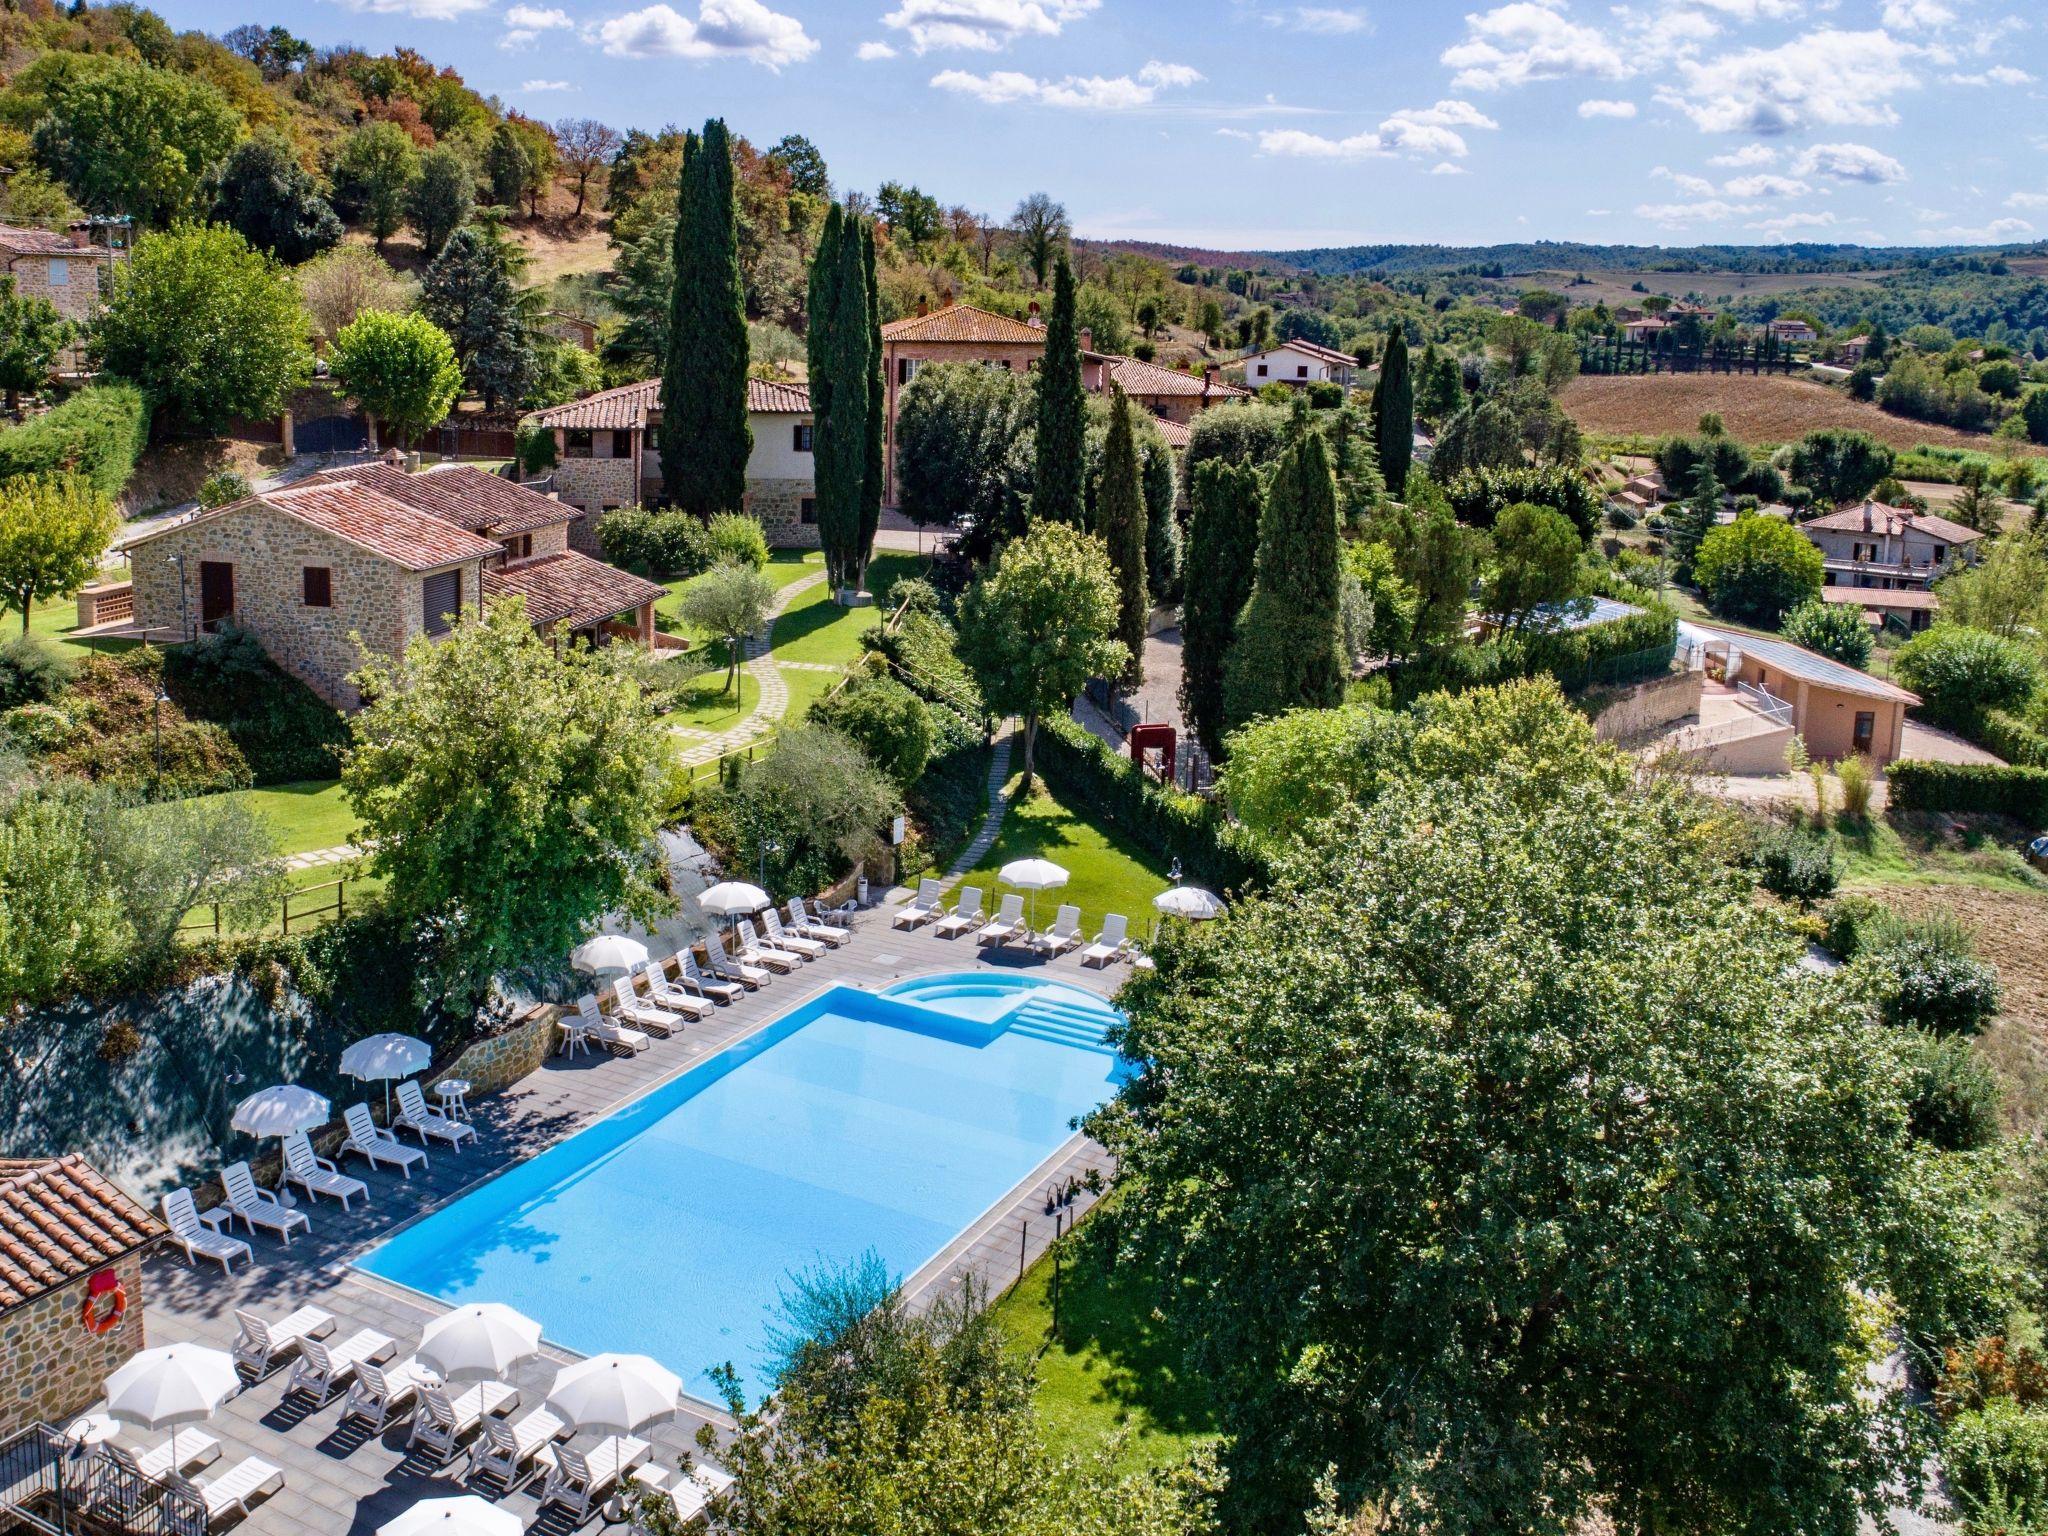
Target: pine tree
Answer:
[[1692, 520], [821, 311], [1223, 543], [1120, 523], [1056, 493], [705, 439], [1286, 654], [1393, 409], [469, 292]]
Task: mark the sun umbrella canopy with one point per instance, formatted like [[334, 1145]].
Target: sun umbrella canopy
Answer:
[[172, 1385], [615, 1394], [1190, 901], [608, 952], [467, 1515], [382, 1057], [1032, 875], [733, 898], [478, 1342], [279, 1111]]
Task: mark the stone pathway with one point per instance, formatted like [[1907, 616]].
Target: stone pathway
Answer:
[[767, 673], [321, 858], [992, 824]]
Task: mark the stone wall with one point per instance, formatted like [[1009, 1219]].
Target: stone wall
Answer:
[[1646, 708], [779, 506], [51, 1368], [77, 299], [593, 485], [499, 1062]]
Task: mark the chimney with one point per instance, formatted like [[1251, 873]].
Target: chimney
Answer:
[[1087, 339], [946, 299], [1867, 517], [81, 235], [924, 306]]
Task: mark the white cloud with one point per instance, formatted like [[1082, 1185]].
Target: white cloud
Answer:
[[1705, 211], [1849, 162], [1607, 109], [1917, 15], [1997, 232], [525, 23], [1829, 77], [1779, 228], [1998, 74], [1321, 20], [1693, 186], [419, 10], [1427, 133], [2027, 200], [1529, 40], [986, 25], [1448, 168], [737, 29], [1750, 155], [867, 53], [546, 85], [1086, 93], [1766, 184]]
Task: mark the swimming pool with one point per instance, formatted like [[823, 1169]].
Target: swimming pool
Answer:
[[889, 1121]]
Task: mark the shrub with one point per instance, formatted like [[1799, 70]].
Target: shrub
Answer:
[[32, 671], [913, 594], [282, 729], [97, 433], [1962, 674], [535, 451], [2001, 379], [1859, 780], [734, 538], [1997, 1462], [1863, 381], [1479, 496], [1323, 395], [1796, 862], [1839, 465], [888, 722], [36, 728], [815, 796], [1833, 629], [1952, 1097], [948, 798], [1756, 569], [922, 650], [227, 486], [1847, 918], [1621, 519], [664, 544], [1969, 788], [2012, 739], [1925, 973]]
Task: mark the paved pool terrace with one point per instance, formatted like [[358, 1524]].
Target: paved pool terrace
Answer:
[[342, 1480]]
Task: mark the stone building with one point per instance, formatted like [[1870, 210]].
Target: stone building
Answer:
[[1874, 546], [953, 333], [69, 269], [1168, 393], [376, 555], [608, 454], [62, 1224]]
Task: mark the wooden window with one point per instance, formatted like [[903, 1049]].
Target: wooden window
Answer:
[[1262, 370], [622, 444], [318, 582], [60, 272], [807, 510], [802, 437], [441, 600]]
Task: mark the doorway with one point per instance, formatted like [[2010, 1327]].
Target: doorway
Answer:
[[216, 593]]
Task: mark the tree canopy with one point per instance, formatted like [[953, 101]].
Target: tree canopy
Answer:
[[469, 293], [401, 369], [53, 530], [1120, 521], [705, 439], [1286, 652], [1056, 487], [274, 202], [1222, 554], [127, 137], [1757, 569]]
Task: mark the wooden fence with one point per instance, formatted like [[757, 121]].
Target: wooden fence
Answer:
[[209, 919]]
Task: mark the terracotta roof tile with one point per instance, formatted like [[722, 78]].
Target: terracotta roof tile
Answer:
[[1314, 350], [1141, 378], [1178, 434], [461, 494], [628, 406], [1877, 518], [571, 587], [772, 397], [61, 1220], [406, 536], [964, 323], [17, 241], [1904, 599]]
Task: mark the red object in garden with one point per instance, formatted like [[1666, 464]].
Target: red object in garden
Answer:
[[1162, 738]]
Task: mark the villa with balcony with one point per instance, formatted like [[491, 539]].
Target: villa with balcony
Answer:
[[1874, 546]]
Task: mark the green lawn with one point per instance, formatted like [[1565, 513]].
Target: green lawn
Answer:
[[805, 689], [306, 816], [55, 620], [1110, 1369], [1108, 872], [1944, 850], [710, 705]]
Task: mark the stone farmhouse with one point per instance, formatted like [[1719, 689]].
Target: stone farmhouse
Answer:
[[1889, 548], [1300, 363], [372, 556], [69, 269], [608, 455], [1173, 398], [953, 333]]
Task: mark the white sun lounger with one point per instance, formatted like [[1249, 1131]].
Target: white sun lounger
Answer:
[[442, 1422], [718, 991], [261, 1343], [754, 952], [811, 926], [233, 1489], [634, 1009], [923, 907], [190, 1447], [316, 1175], [196, 1237], [380, 1394], [507, 1451], [589, 1025], [733, 968], [323, 1368], [810, 949], [260, 1207], [1110, 943], [664, 993], [578, 1482], [1008, 923], [965, 916], [417, 1116], [1064, 934], [696, 1489], [369, 1139]]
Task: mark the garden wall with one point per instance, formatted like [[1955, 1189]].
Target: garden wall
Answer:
[[502, 1060], [1645, 708]]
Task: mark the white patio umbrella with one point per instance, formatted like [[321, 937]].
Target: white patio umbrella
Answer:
[[608, 952], [170, 1386], [733, 899], [478, 1342], [1033, 875], [467, 1515], [384, 1057], [1190, 902], [615, 1394], [279, 1111]]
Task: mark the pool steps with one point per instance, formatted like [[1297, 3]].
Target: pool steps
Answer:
[[1052, 1012]]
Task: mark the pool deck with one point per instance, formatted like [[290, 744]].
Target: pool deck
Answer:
[[344, 1481]]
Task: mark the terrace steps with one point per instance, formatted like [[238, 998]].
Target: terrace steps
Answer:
[[1061, 1023]]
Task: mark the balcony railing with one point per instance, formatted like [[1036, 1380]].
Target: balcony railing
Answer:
[[48, 1484]]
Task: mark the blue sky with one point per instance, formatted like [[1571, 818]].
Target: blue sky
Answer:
[[1257, 124]]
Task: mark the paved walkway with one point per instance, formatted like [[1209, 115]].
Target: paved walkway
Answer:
[[322, 858], [998, 807], [773, 701]]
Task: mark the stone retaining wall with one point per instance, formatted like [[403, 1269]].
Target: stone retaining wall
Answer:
[[502, 1060], [1646, 708], [51, 1368]]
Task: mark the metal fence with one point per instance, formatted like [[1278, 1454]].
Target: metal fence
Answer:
[[48, 1484], [1612, 671]]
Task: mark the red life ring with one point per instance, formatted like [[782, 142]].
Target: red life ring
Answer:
[[108, 1284]]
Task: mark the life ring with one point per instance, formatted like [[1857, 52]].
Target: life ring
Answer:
[[105, 1284]]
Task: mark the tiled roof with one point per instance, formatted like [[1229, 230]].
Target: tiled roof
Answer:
[[406, 536], [1141, 378], [60, 1220], [1312, 349], [963, 323], [16, 241], [461, 494], [1903, 599], [628, 406], [572, 587], [1178, 434], [1876, 518]]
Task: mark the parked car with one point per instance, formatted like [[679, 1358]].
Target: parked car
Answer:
[[2037, 853]]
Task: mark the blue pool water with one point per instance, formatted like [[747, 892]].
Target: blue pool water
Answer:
[[887, 1121]]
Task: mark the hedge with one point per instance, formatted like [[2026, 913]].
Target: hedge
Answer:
[[1105, 784], [1977, 788], [98, 433], [1612, 654], [2012, 739]]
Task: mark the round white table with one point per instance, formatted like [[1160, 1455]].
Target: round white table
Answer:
[[453, 1092], [91, 1431]]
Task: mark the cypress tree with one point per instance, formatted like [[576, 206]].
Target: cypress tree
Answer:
[[1223, 542], [873, 482], [820, 311], [1120, 523], [1393, 408], [1056, 493], [705, 439], [1286, 654], [840, 352]]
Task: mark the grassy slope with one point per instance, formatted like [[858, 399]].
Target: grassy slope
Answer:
[[306, 816], [1109, 872]]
